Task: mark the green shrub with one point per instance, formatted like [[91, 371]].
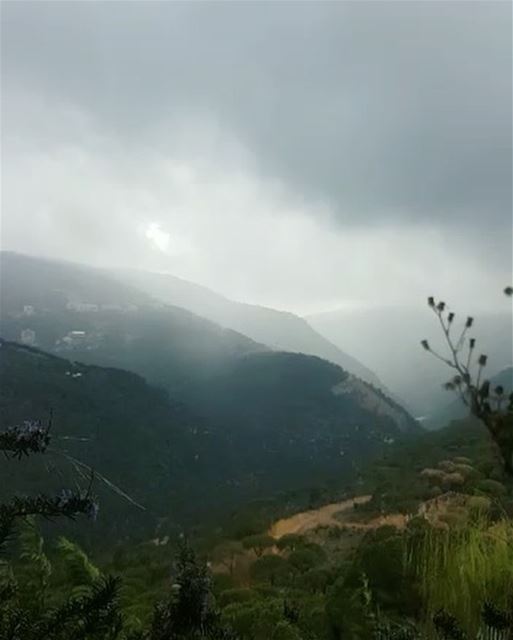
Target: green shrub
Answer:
[[285, 631], [290, 541], [492, 488], [304, 559], [317, 579], [231, 596], [258, 543], [272, 569]]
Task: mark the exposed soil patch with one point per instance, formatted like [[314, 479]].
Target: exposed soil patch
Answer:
[[307, 520]]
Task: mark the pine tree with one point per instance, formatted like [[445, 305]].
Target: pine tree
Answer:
[[190, 613], [92, 615]]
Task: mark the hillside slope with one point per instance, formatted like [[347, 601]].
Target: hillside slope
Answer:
[[264, 426], [269, 420], [94, 321], [82, 313], [288, 403], [113, 421], [279, 330]]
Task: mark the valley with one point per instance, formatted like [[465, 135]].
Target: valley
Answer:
[[256, 320], [233, 413], [193, 434]]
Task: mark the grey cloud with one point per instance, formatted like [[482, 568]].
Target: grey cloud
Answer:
[[386, 109], [370, 117]]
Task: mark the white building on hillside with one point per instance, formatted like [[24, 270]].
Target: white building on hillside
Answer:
[[82, 307], [28, 337]]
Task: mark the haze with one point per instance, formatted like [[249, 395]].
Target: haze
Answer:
[[305, 156]]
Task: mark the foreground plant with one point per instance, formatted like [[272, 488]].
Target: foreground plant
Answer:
[[493, 407], [94, 614]]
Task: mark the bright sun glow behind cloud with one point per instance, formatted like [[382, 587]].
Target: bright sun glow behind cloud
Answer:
[[159, 238]]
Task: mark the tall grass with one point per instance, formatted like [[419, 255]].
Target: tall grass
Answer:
[[460, 569]]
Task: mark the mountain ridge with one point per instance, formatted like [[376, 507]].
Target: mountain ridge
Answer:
[[279, 330]]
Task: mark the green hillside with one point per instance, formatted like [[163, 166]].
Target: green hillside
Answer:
[[113, 421], [265, 426]]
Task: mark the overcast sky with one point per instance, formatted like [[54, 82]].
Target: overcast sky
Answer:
[[300, 155]]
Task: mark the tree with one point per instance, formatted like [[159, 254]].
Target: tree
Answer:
[[272, 569], [491, 406], [35, 567], [304, 559], [290, 541], [259, 543], [189, 614], [92, 614], [227, 553]]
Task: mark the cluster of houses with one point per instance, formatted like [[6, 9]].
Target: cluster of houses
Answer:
[[28, 337], [89, 307], [75, 339], [84, 307], [78, 340]]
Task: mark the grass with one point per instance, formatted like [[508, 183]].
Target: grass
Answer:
[[461, 569]]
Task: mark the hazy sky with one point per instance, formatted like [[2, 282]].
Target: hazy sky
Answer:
[[300, 155]]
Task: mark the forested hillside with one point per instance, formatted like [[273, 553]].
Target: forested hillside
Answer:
[[115, 423], [275, 430]]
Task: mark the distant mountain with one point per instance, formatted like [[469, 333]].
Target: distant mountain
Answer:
[[388, 339], [279, 330], [82, 313], [269, 420], [51, 284]]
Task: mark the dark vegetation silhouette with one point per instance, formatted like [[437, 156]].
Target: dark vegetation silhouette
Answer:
[[492, 406], [93, 613]]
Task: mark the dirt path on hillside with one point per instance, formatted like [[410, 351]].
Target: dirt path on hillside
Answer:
[[307, 520], [397, 520], [336, 514]]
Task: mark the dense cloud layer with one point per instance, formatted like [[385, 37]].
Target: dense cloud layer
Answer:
[[294, 154]]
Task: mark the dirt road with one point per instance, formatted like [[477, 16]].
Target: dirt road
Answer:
[[306, 520]]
